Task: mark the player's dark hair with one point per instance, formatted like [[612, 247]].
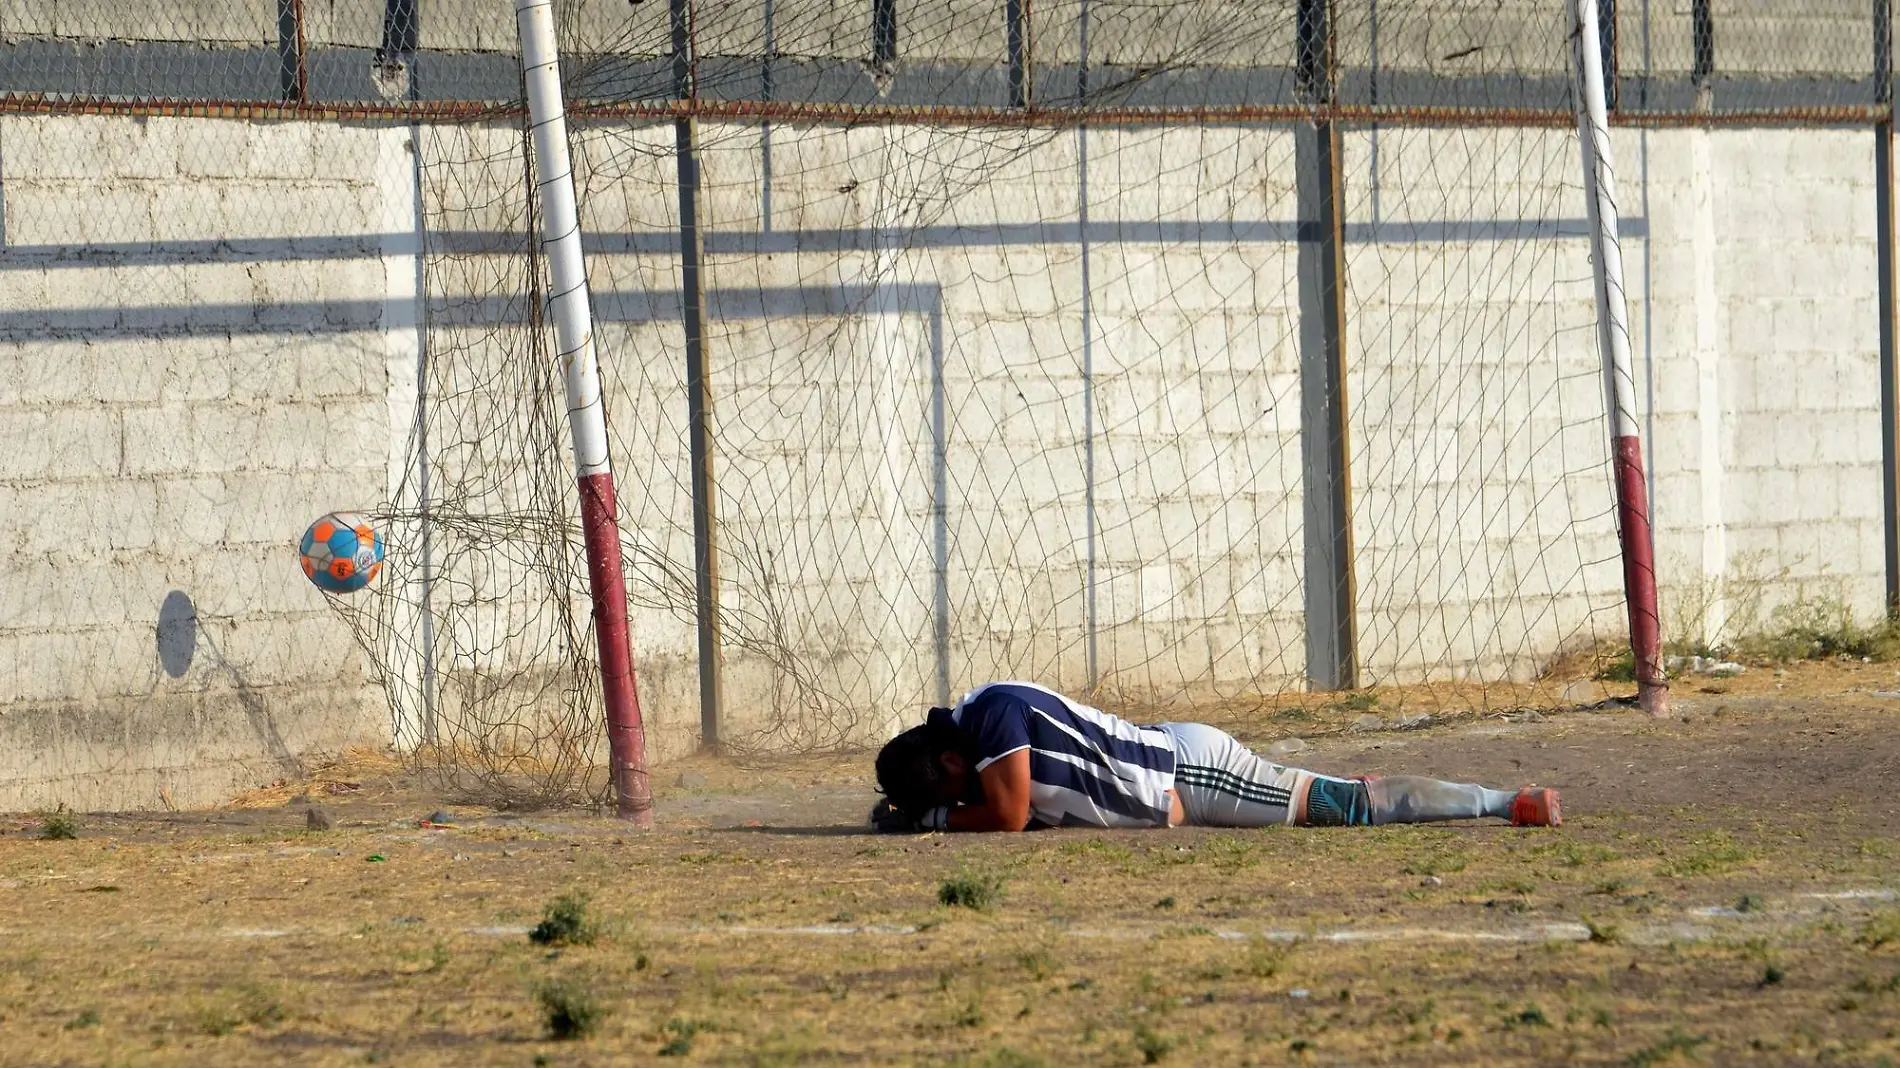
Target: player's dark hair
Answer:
[[910, 768]]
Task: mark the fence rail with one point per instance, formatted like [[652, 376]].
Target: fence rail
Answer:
[[1412, 62]]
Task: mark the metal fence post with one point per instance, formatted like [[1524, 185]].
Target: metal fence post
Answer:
[[1022, 88], [698, 381], [1332, 660], [1702, 72], [1088, 353], [293, 75], [1883, 252]]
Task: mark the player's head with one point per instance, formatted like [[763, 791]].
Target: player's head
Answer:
[[926, 766]]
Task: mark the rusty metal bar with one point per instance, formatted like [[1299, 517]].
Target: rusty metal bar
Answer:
[[1888, 302], [795, 112], [294, 63], [1020, 44]]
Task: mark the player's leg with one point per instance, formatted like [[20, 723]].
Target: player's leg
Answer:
[[1416, 799], [1379, 800], [1222, 783]]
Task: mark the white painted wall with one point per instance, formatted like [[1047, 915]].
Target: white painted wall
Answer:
[[171, 423], [1765, 361], [173, 412]]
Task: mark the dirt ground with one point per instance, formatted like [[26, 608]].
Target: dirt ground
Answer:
[[1723, 892]]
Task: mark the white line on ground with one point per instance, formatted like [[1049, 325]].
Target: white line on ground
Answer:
[[1697, 924]]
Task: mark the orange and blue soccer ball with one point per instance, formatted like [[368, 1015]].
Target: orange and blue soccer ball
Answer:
[[341, 553]]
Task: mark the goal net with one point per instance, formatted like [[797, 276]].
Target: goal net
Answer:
[[1008, 356]]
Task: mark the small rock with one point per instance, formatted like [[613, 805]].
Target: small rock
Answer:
[[1582, 693], [1287, 747], [1889, 694], [692, 780], [459, 856], [316, 819], [1431, 880], [1411, 721], [1530, 715], [440, 818], [1368, 721], [1299, 992], [1727, 669], [1671, 663]]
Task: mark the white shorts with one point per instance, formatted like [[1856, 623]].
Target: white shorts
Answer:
[[1222, 783]]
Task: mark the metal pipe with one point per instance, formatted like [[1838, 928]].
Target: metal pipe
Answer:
[[294, 70], [586, 412], [822, 114], [698, 381], [1331, 594], [1884, 258], [1613, 341], [1020, 42]]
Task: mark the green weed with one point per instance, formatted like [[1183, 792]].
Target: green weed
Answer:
[[680, 1036], [1153, 1047], [58, 825], [1676, 1041], [1880, 930], [1437, 863], [564, 922], [1711, 854], [1603, 933], [569, 1010], [250, 1006], [1265, 958], [1528, 1016], [1819, 627], [1037, 964], [1618, 668], [976, 892]]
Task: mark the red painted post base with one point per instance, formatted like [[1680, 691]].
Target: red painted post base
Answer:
[[606, 580], [1639, 576]]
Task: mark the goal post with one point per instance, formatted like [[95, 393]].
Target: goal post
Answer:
[[1613, 340], [587, 420]]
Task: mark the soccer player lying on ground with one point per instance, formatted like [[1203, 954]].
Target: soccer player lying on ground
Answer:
[[1013, 756]]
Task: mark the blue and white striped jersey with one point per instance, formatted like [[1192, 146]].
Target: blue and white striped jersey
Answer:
[[1086, 767]]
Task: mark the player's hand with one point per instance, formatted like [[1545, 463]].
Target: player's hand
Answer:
[[887, 818]]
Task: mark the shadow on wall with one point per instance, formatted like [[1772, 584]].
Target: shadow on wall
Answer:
[[178, 638]]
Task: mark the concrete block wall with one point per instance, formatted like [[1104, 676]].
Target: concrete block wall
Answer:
[[171, 417], [1481, 521], [210, 337], [1765, 362]]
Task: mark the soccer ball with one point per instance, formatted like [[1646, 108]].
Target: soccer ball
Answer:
[[341, 553]]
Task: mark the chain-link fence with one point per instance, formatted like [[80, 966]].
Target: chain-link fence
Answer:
[[1690, 57]]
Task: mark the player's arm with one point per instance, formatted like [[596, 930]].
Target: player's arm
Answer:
[[1005, 804]]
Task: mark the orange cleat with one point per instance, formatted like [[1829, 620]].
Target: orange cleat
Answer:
[[1536, 806]]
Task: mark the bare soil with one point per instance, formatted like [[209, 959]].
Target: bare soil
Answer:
[[1723, 891]]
